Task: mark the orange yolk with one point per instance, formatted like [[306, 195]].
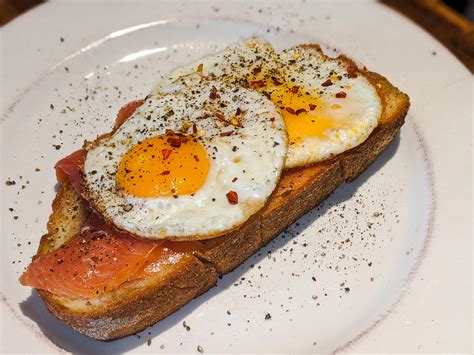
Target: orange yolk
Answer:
[[160, 167], [304, 113]]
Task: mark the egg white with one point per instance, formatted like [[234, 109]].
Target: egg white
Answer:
[[254, 155]]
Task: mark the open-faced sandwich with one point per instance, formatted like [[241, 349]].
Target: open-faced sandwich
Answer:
[[215, 162]]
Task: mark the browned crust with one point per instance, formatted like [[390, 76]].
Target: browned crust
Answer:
[[137, 308], [132, 308]]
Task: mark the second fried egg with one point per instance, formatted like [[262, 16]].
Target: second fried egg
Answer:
[[328, 105]]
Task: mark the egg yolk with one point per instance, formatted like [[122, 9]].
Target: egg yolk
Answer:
[[163, 166], [304, 114]]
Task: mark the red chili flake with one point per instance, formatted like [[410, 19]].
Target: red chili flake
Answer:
[[183, 138], [213, 95], [295, 89], [258, 84], [166, 172], [166, 153], [256, 70], [234, 179], [225, 134], [327, 83], [196, 157], [272, 119], [290, 110], [238, 112], [232, 197], [300, 110], [312, 107], [341, 95], [220, 116], [174, 142], [276, 82], [195, 129], [352, 71]]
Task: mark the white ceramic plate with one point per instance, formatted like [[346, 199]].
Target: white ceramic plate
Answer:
[[383, 265]]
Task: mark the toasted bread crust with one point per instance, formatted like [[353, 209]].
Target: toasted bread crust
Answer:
[[136, 305]]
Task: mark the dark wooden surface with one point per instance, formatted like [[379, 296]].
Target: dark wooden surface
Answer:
[[450, 28], [453, 30], [9, 9]]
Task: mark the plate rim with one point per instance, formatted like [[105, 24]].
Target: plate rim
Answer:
[[404, 18]]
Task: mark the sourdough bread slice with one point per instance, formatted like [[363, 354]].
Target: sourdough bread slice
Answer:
[[138, 304]]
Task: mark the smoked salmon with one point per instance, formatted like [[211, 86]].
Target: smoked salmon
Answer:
[[126, 111], [95, 261], [100, 258], [70, 169]]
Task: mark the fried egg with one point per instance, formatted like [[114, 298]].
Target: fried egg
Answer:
[[194, 161], [328, 105]]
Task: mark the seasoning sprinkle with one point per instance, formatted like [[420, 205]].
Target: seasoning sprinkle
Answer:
[[232, 197], [220, 116], [166, 153], [257, 84], [295, 89], [276, 82], [327, 83], [200, 68], [352, 71], [213, 94]]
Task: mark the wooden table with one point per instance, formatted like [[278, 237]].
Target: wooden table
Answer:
[[450, 28]]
